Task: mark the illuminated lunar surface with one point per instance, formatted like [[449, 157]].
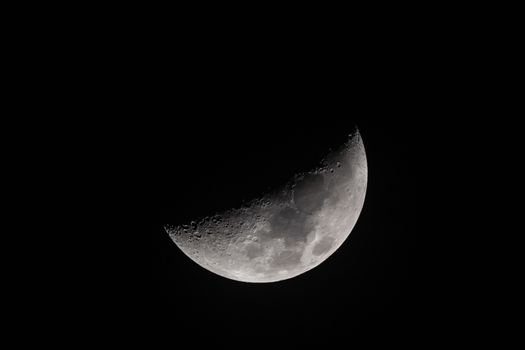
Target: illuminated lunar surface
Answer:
[[288, 231]]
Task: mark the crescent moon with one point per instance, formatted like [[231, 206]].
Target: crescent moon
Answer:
[[288, 231]]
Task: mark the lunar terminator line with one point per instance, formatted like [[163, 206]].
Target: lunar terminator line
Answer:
[[288, 231]]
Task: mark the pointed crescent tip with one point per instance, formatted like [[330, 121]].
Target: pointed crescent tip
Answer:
[[168, 228], [356, 131], [354, 135]]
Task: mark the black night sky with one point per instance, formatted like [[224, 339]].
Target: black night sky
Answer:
[[365, 287]]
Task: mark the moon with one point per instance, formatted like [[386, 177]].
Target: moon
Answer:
[[287, 231]]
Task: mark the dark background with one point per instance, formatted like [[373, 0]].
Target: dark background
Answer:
[[199, 166]]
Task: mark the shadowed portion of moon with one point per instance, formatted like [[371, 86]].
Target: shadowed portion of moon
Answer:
[[288, 231]]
